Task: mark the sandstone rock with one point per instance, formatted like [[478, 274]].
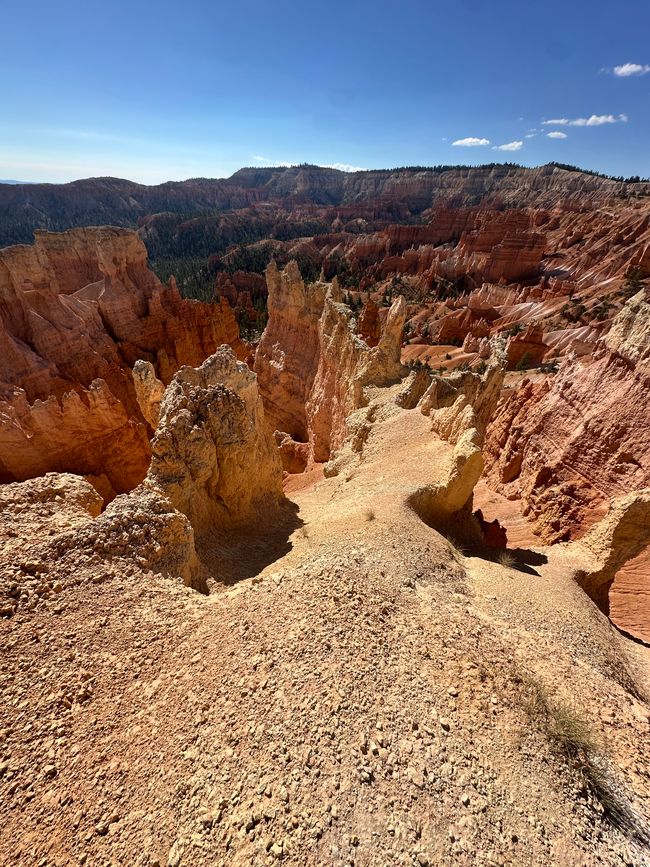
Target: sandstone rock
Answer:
[[369, 328], [621, 536], [294, 455], [89, 431], [346, 367], [149, 391], [494, 535], [313, 367], [287, 355], [460, 408], [568, 446], [77, 310], [526, 349], [212, 454]]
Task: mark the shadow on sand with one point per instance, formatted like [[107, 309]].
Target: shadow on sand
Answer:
[[244, 553]]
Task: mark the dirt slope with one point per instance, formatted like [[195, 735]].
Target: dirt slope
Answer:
[[370, 697]]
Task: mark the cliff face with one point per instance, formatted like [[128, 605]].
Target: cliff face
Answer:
[[568, 446], [76, 311], [313, 366], [123, 203]]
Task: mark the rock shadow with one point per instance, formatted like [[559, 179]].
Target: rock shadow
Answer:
[[239, 554]]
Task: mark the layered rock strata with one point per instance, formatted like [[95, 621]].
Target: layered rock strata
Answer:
[[567, 446], [77, 310]]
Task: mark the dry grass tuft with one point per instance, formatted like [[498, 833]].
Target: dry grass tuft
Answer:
[[369, 514], [506, 559], [571, 738]]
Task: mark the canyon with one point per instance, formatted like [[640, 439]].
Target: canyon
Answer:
[[368, 585]]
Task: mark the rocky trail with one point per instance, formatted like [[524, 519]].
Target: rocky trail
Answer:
[[237, 662], [361, 700]]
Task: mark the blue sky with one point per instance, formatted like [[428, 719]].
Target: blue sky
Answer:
[[162, 90]]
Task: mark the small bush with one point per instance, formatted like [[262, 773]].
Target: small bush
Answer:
[[369, 514]]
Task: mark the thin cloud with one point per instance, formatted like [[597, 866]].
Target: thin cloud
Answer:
[[531, 135], [625, 70], [471, 142], [594, 120], [269, 163], [556, 134], [510, 146]]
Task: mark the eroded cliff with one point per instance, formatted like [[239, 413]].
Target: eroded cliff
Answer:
[[77, 310]]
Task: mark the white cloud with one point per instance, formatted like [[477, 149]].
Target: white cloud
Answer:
[[556, 134], [345, 167], [627, 69], [594, 120], [531, 135], [269, 163], [471, 142], [510, 146]]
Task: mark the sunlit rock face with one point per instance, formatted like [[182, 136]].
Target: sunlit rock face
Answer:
[[77, 310]]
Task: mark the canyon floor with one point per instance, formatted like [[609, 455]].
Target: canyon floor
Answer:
[[353, 690]]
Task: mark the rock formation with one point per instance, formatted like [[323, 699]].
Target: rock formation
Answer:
[[568, 446], [214, 471], [149, 391], [77, 310], [460, 408], [565, 446], [212, 453], [313, 367], [346, 367], [527, 349], [621, 536], [287, 355]]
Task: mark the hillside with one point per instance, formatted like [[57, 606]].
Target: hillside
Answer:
[[100, 201]]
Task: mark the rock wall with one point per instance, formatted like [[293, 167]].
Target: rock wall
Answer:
[[568, 446], [312, 365], [77, 310]]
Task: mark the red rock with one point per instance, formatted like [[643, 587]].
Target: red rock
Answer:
[[526, 349], [369, 327], [77, 310], [568, 445], [494, 535]]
